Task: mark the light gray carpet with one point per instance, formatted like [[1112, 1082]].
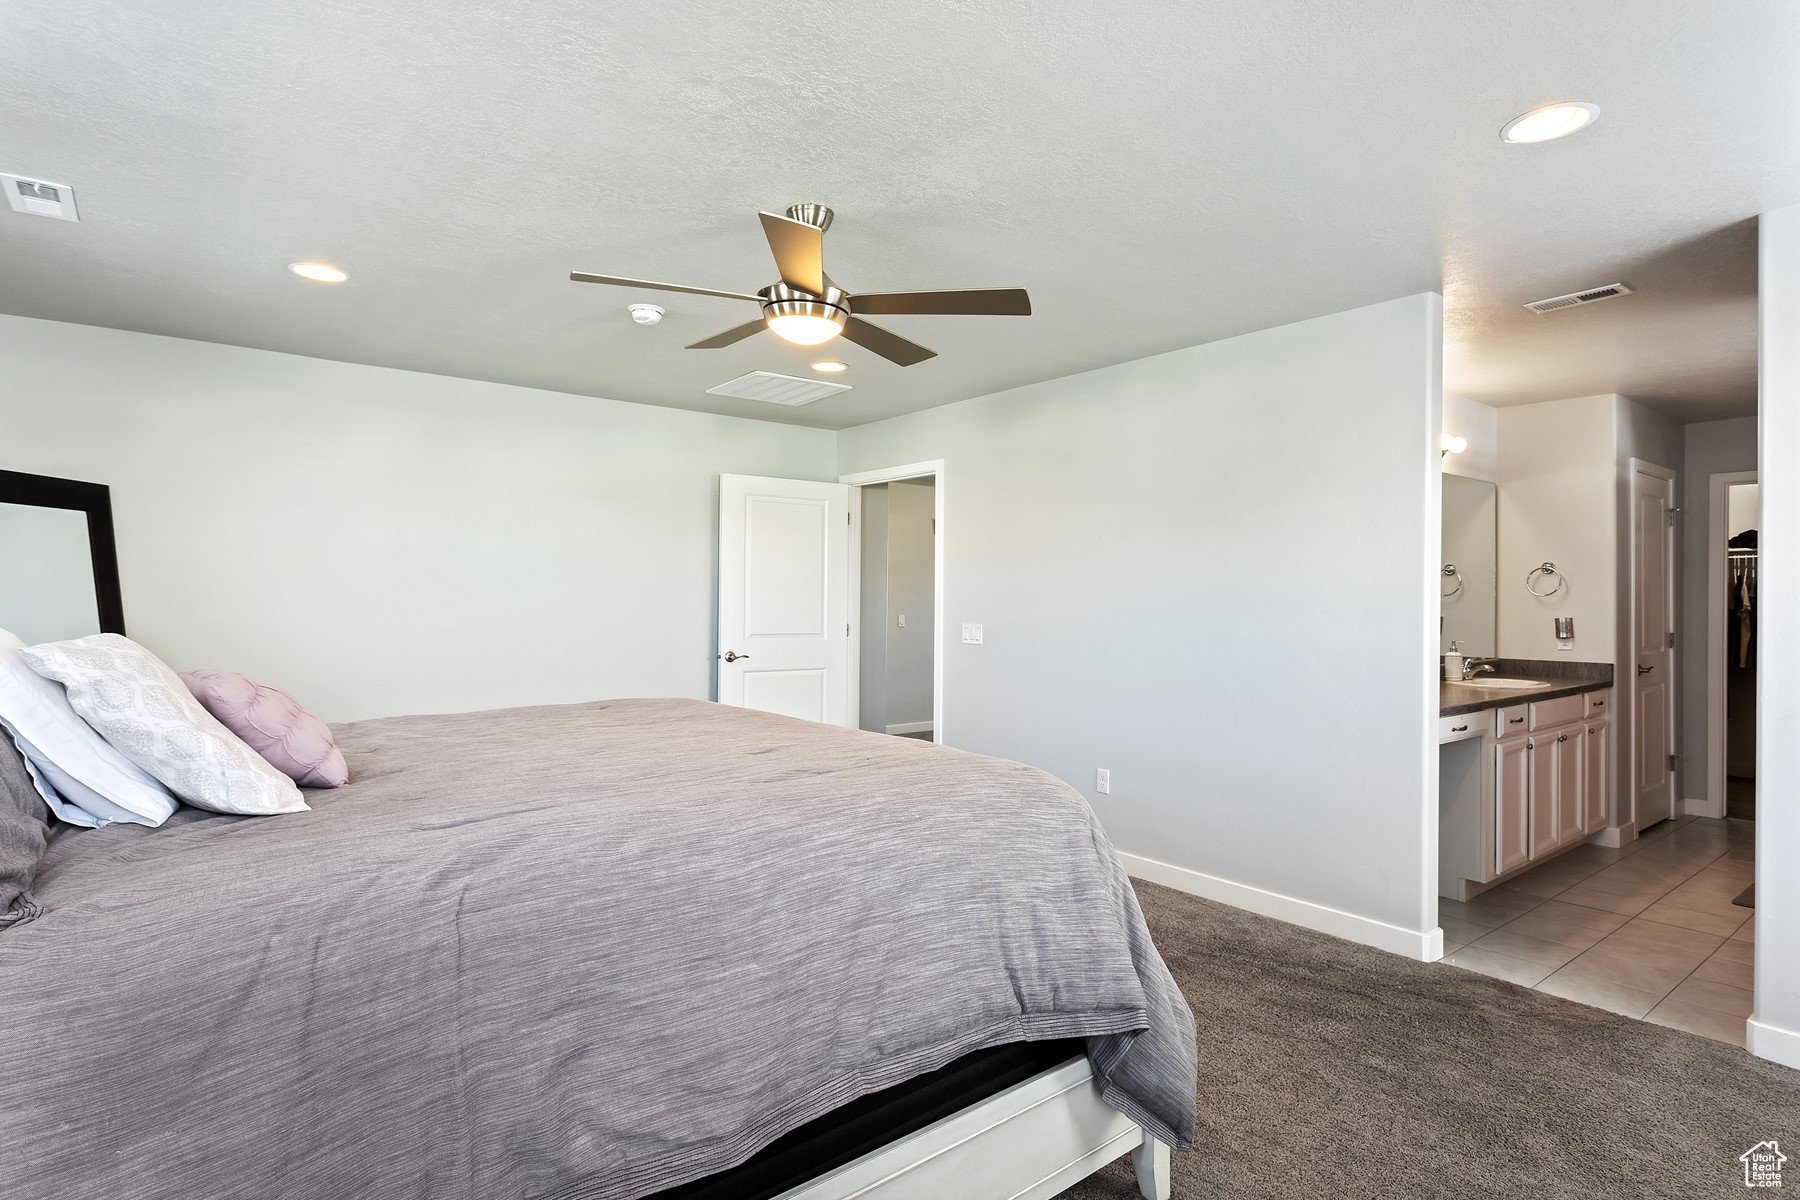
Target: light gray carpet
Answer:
[[1331, 1070]]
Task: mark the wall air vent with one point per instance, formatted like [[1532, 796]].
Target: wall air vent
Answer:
[[40, 198], [777, 389], [1573, 299]]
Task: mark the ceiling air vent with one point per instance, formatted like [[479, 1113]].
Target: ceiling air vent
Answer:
[[39, 198], [1590, 296], [777, 389]]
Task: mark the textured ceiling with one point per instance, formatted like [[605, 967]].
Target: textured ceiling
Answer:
[[1158, 174]]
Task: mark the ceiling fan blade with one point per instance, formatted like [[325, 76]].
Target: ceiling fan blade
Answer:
[[736, 333], [964, 302], [616, 281], [890, 346], [799, 252]]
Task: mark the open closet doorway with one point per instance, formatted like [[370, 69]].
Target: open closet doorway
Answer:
[[898, 652], [1732, 630]]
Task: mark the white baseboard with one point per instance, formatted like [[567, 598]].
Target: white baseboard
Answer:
[[1700, 808], [1615, 836], [910, 727], [1424, 947], [1772, 1042]]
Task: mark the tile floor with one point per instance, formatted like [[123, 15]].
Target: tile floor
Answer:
[[1647, 930]]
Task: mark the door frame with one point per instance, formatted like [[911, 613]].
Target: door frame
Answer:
[[1718, 536], [860, 480], [1637, 467]]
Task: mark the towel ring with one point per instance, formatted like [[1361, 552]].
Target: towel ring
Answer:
[[1547, 569], [1450, 572]]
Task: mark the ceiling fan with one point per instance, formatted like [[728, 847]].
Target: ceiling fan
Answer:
[[806, 308]]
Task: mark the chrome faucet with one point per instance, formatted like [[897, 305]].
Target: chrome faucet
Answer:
[[1473, 667]]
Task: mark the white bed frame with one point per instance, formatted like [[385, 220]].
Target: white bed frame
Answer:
[[1027, 1143]]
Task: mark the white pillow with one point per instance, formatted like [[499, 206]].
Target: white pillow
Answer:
[[147, 714], [82, 779]]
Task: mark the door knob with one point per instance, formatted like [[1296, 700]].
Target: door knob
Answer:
[[733, 656], [1645, 670]]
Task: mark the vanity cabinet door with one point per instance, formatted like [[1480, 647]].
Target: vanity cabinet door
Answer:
[[1512, 804], [1571, 783], [1596, 754], [1542, 833]]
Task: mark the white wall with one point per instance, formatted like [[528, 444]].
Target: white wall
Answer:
[[1742, 508], [381, 541], [1558, 479], [912, 509], [1711, 448], [46, 574], [1479, 425], [1211, 572], [1774, 1030]]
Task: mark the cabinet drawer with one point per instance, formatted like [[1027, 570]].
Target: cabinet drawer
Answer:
[[1468, 725], [1595, 705], [1509, 722], [1560, 711]]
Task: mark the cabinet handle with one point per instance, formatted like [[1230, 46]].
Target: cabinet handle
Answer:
[[1597, 703], [1459, 729], [1563, 738], [1516, 721]]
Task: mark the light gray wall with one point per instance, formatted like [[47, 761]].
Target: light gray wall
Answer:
[[1775, 1026], [911, 509], [381, 541], [1211, 572], [46, 574], [872, 663], [1712, 448]]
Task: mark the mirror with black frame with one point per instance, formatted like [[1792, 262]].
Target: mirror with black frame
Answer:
[[59, 572], [1467, 578]]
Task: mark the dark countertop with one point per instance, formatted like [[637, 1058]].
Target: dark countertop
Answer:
[[1564, 678]]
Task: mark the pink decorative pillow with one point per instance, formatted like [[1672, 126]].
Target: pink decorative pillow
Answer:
[[273, 724]]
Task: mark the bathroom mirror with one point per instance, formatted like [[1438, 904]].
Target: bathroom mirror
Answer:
[[1466, 584], [59, 577]]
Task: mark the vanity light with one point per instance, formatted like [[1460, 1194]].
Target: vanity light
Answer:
[[318, 272], [1550, 122], [830, 366], [1454, 444]]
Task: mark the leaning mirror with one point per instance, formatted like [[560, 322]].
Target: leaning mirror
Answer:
[[59, 577], [1466, 581]]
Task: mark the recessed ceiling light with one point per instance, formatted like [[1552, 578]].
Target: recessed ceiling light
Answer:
[[1550, 122], [318, 272], [830, 366]]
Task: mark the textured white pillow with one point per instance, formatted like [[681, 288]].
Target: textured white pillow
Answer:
[[147, 714], [82, 779]]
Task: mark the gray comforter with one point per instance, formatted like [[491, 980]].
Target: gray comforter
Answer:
[[583, 951]]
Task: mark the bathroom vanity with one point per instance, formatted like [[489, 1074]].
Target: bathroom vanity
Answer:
[[1524, 769]]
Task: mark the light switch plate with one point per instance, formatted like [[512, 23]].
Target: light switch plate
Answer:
[[971, 635], [902, 620]]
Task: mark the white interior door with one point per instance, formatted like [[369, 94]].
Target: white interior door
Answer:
[[1652, 683], [784, 597]]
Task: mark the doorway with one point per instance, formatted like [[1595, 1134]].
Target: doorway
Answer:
[[898, 656], [1732, 555]]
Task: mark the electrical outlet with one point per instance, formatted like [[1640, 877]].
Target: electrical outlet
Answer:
[[971, 635], [1103, 781], [900, 620]]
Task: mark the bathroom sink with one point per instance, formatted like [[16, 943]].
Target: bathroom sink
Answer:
[[1504, 685]]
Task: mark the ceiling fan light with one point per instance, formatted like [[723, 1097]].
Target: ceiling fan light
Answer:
[[805, 322]]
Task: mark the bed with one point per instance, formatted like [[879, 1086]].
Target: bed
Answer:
[[597, 952]]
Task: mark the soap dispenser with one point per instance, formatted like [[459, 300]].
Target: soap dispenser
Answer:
[[1453, 662]]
